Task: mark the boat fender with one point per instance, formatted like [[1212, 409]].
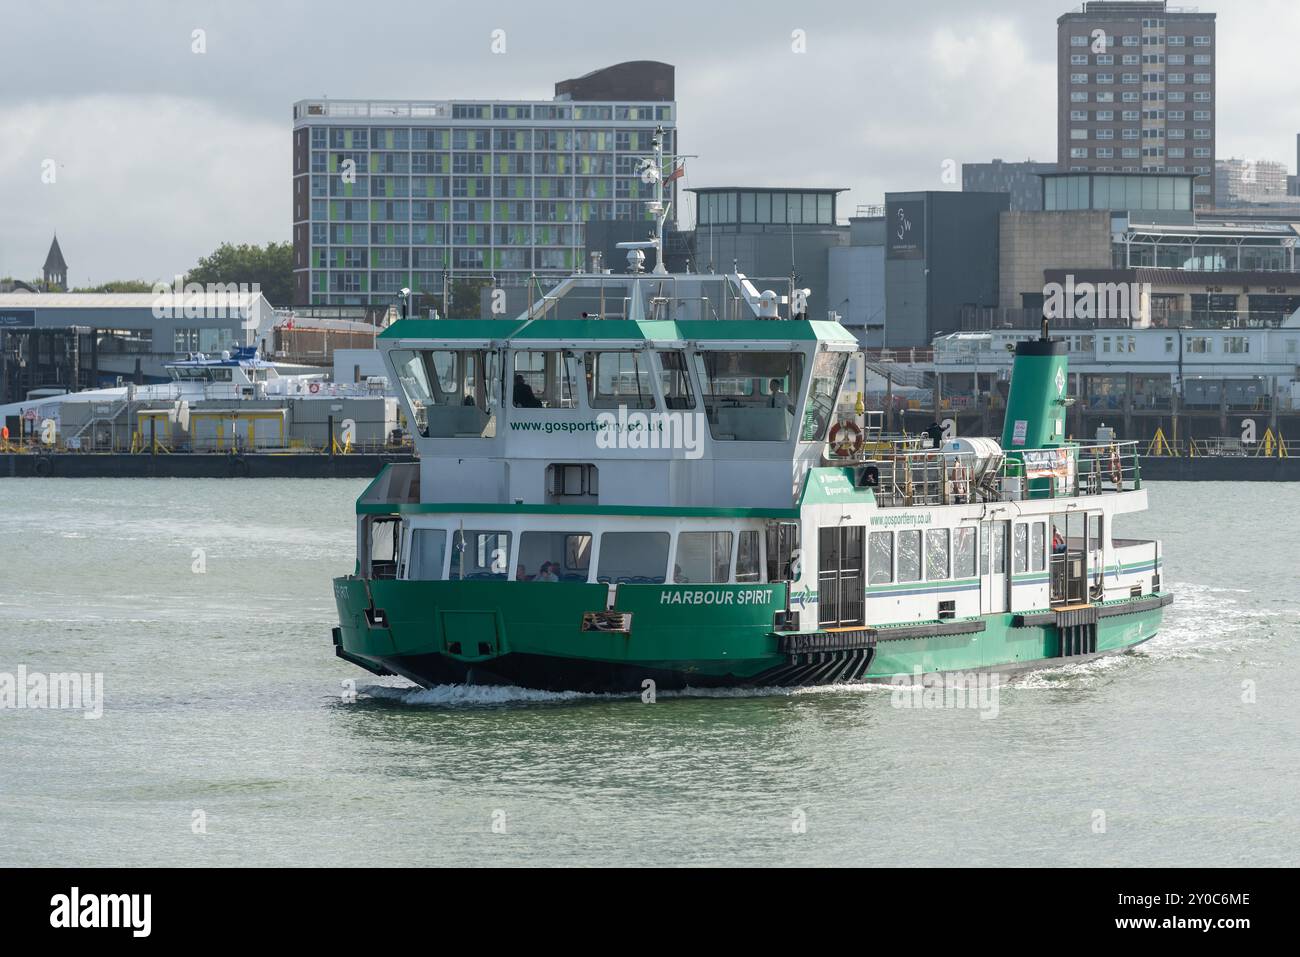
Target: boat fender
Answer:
[[846, 447], [239, 467], [43, 466], [1116, 475]]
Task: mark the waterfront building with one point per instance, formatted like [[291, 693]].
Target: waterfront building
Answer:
[[420, 194], [1020, 180], [941, 259], [1240, 182], [1136, 90], [83, 340]]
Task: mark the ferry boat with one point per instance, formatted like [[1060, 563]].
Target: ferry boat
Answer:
[[644, 478]]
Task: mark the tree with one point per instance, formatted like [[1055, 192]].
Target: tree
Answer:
[[271, 267], [119, 285], [465, 298]]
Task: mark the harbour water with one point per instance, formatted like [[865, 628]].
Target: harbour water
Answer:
[[228, 736]]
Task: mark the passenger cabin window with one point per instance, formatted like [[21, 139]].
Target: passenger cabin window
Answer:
[[384, 547], [750, 396], [747, 557], [703, 557], [827, 376], [909, 556], [545, 380], [936, 554], [1020, 549], [479, 555], [619, 379], [880, 558], [450, 392], [675, 380], [782, 545], [963, 553], [553, 556], [633, 558], [1038, 546], [428, 554]]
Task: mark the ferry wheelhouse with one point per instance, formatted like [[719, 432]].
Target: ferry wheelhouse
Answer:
[[643, 477]]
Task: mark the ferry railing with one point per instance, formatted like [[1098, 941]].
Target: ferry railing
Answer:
[[903, 474]]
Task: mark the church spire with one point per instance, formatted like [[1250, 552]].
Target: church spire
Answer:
[[55, 268]]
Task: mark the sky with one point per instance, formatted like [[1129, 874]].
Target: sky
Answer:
[[159, 153]]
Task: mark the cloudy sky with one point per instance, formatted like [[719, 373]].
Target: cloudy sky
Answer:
[[161, 153]]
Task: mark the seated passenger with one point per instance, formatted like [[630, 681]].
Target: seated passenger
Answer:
[[521, 574], [1058, 543], [525, 398], [548, 572]]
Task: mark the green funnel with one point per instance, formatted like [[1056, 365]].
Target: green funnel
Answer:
[[1035, 407]]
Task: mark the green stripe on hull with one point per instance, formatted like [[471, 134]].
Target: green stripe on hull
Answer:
[[720, 632]]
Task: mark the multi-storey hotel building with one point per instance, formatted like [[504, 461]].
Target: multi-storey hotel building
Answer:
[[416, 194]]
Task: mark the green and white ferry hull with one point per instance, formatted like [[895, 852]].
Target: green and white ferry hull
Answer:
[[550, 539], [540, 634]]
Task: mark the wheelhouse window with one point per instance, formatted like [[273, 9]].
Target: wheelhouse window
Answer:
[[703, 557], [617, 379], [827, 376], [450, 392], [553, 556], [428, 554], [636, 558], [545, 380], [479, 555], [750, 396], [675, 380]]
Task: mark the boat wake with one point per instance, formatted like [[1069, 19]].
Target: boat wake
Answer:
[[494, 696], [1203, 623]]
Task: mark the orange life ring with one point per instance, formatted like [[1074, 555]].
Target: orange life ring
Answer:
[[845, 448], [314, 387]]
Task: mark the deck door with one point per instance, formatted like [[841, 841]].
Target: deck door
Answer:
[[994, 566], [840, 582]]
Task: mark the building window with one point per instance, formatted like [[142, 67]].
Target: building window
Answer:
[[1236, 345]]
